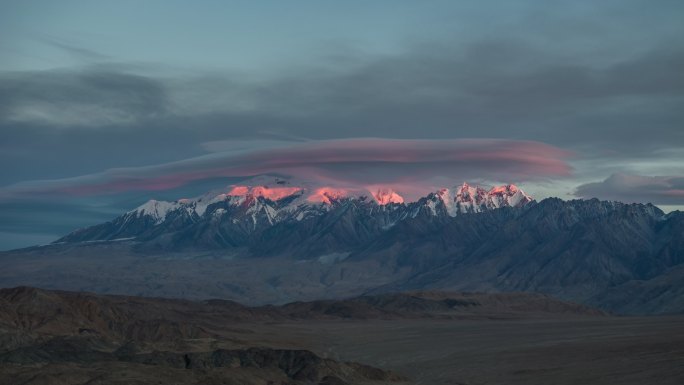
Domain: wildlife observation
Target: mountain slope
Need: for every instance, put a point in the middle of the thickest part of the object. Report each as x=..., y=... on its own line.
x=246, y=216
x=571, y=249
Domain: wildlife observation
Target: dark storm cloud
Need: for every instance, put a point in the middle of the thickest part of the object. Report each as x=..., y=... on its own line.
x=511, y=94
x=85, y=98
x=497, y=88
x=659, y=190
x=490, y=89
x=62, y=123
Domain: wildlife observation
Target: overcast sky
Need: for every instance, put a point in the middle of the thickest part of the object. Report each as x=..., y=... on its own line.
x=106, y=104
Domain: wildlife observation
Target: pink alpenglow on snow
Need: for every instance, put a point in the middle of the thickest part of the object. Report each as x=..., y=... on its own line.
x=282, y=201
x=387, y=196
x=505, y=189
x=327, y=195
x=272, y=193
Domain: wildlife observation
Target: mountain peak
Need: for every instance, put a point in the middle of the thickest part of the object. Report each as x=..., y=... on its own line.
x=155, y=209
x=272, y=193
x=468, y=199
x=243, y=209
x=327, y=195
x=386, y=196
x=505, y=189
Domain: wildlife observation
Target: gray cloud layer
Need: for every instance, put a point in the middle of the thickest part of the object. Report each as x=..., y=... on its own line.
x=659, y=190
x=72, y=99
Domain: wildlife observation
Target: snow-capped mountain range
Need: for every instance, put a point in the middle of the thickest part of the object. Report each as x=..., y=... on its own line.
x=281, y=201
x=228, y=218
x=283, y=241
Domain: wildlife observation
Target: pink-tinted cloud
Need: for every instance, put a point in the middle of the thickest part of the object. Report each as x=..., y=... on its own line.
x=659, y=190
x=407, y=166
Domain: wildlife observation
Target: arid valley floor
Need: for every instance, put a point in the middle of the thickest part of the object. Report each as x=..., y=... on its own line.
x=53, y=337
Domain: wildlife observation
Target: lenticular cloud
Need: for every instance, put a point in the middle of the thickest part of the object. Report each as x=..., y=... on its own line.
x=404, y=165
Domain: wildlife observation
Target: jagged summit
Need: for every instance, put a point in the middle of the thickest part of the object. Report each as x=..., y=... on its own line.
x=231, y=216
x=386, y=196
x=155, y=209
x=463, y=199
x=468, y=199
x=328, y=195
x=271, y=193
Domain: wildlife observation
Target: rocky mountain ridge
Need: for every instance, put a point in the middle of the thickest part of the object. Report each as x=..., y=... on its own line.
x=238, y=217
x=625, y=258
